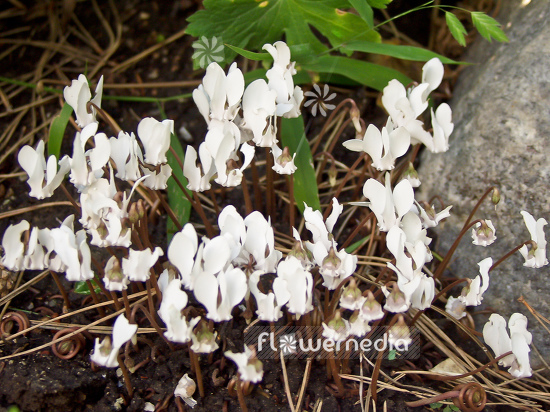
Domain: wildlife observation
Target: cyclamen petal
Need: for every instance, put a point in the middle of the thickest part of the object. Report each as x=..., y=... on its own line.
x=155, y=137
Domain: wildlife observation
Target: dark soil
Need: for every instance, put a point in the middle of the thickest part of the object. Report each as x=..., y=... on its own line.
x=41, y=381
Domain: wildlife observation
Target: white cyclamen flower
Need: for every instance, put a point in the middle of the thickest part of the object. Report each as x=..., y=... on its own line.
x=185, y=390
x=269, y=307
x=78, y=94
x=173, y=301
x=14, y=248
x=289, y=98
x=155, y=137
x=44, y=177
x=496, y=336
x=139, y=263
x=294, y=285
x=220, y=294
x=388, y=206
x=443, y=126
x=73, y=250
x=472, y=295
x=259, y=111
x=219, y=96
x=382, y=146
x=126, y=154
x=483, y=233
x=250, y=368
x=182, y=250
x=105, y=353
x=283, y=162
x=536, y=256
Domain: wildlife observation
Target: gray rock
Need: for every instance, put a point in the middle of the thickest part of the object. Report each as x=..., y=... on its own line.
x=501, y=110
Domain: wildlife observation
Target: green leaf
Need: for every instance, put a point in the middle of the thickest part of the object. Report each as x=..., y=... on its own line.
x=368, y=74
x=379, y=4
x=305, y=184
x=301, y=52
x=436, y=405
x=456, y=28
x=250, y=24
x=364, y=10
x=391, y=354
x=57, y=130
x=176, y=199
x=488, y=27
x=401, y=52
x=82, y=288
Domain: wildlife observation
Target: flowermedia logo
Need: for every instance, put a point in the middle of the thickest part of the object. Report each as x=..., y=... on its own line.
x=318, y=100
x=302, y=342
x=208, y=51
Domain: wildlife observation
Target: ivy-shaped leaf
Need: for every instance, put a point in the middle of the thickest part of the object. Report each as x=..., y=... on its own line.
x=250, y=24
x=488, y=27
x=456, y=28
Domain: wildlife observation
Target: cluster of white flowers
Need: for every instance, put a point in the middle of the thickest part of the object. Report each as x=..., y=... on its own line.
x=223, y=270
x=240, y=119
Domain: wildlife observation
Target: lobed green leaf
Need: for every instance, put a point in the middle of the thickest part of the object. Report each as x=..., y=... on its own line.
x=251, y=24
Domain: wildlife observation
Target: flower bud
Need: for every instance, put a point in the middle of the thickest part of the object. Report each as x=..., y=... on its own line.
x=399, y=334
x=351, y=298
x=495, y=198
x=371, y=309
x=411, y=175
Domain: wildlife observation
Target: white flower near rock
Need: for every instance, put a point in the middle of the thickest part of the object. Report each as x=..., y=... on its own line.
x=496, y=336
x=78, y=94
x=44, y=177
x=536, y=256
x=483, y=233
x=382, y=146
x=105, y=353
x=442, y=124
x=388, y=205
x=472, y=295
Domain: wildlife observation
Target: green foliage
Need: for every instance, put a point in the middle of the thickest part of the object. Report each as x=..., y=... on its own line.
x=488, y=27
x=392, y=354
x=177, y=201
x=305, y=184
x=57, y=130
x=82, y=288
x=456, y=28
x=251, y=24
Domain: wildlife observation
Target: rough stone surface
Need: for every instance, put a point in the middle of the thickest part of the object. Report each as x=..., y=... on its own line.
x=501, y=110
